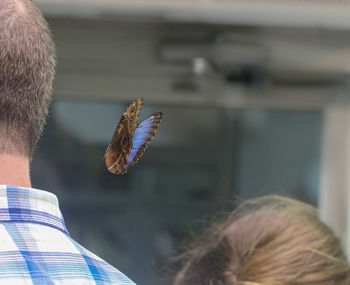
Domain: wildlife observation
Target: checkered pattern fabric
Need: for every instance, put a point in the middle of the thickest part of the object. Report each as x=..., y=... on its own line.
x=35, y=247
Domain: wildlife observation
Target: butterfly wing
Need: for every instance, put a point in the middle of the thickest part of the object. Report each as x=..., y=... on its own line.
x=143, y=135
x=128, y=121
x=121, y=145
x=133, y=112
x=119, y=148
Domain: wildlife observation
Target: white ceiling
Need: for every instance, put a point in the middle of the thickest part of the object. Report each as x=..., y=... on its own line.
x=332, y=14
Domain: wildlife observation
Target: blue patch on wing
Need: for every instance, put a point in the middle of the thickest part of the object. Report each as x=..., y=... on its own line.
x=140, y=136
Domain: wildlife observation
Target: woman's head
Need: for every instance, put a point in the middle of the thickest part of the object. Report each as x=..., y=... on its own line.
x=270, y=240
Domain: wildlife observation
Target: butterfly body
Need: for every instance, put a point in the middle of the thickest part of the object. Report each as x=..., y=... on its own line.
x=130, y=139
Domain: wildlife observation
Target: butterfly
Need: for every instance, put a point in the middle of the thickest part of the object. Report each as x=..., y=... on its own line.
x=130, y=138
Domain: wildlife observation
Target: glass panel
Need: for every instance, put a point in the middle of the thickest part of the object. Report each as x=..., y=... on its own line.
x=201, y=160
x=281, y=154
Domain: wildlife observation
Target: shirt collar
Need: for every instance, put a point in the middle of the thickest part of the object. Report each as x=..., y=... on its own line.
x=20, y=204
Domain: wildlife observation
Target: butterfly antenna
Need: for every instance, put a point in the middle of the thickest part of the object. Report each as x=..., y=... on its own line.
x=101, y=133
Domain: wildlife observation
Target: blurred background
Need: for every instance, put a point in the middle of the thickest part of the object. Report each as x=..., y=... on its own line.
x=255, y=96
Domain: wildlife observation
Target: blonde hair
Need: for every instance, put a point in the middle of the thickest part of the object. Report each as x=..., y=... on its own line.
x=266, y=241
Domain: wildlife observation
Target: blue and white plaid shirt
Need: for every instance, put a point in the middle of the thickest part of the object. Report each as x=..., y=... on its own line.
x=35, y=247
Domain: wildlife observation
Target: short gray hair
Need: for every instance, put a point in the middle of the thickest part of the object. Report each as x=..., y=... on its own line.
x=27, y=68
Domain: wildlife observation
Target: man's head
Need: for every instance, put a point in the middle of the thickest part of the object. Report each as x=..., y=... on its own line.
x=27, y=63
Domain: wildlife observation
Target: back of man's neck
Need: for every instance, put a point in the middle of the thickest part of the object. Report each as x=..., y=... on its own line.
x=14, y=170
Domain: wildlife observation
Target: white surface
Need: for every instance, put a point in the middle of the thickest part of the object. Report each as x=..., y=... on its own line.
x=325, y=14
x=335, y=178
